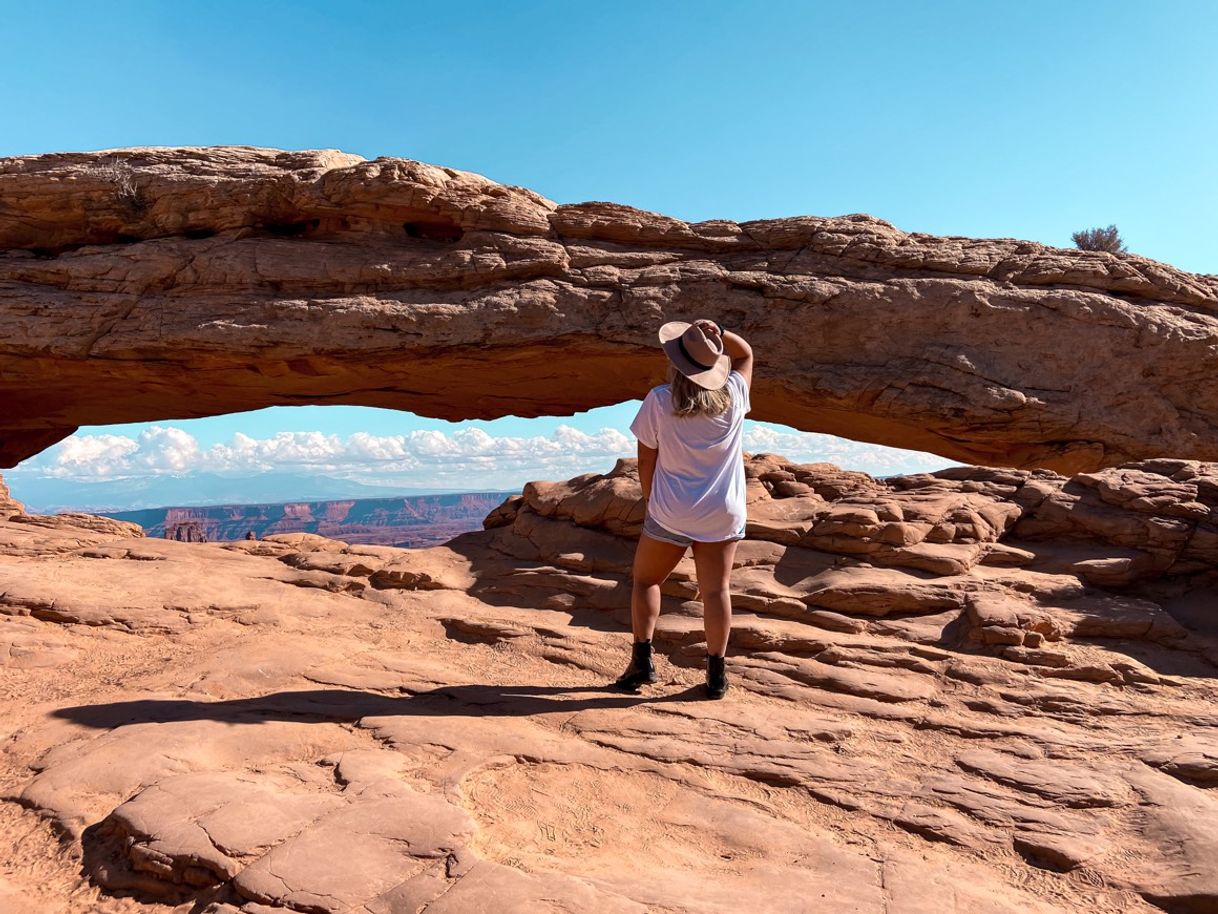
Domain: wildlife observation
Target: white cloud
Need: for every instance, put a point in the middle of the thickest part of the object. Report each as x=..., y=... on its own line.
x=164, y=450
x=467, y=456
x=810, y=447
x=91, y=455
x=168, y=450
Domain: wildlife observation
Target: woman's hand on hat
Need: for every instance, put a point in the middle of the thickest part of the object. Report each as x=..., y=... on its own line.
x=710, y=328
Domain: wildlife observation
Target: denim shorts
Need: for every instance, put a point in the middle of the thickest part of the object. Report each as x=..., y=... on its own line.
x=656, y=532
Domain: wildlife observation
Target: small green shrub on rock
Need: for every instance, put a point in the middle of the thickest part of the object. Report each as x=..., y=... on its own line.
x=1099, y=239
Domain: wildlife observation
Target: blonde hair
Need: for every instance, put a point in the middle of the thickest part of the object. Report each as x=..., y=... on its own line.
x=688, y=399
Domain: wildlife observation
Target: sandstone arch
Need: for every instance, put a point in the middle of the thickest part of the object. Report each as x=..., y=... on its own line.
x=146, y=283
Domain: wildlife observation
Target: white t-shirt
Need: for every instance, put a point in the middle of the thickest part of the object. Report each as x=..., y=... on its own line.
x=698, y=486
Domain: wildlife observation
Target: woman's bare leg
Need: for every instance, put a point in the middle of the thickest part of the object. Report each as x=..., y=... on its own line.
x=654, y=561
x=713, y=562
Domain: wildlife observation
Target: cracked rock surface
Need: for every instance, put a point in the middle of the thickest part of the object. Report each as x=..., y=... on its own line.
x=150, y=283
x=948, y=695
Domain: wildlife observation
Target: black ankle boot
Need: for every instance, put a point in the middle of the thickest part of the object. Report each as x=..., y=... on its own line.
x=641, y=670
x=716, y=676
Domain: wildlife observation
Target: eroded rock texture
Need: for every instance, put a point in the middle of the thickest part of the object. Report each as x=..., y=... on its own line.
x=8, y=505
x=974, y=691
x=147, y=284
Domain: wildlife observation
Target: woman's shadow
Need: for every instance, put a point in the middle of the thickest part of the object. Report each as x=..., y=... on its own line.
x=349, y=705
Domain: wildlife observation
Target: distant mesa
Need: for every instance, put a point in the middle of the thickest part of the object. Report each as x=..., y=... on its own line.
x=185, y=532
x=319, y=277
x=412, y=521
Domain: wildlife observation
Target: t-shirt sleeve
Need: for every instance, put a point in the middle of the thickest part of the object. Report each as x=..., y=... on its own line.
x=644, y=424
x=742, y=389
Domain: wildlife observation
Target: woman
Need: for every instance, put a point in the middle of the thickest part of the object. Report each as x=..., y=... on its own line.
x=691, y=466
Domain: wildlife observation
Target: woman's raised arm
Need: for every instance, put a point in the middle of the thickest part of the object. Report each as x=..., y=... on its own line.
x=741, y=353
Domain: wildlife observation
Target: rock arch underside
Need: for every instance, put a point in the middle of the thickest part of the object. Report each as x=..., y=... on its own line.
x=986, y=690
x=146, y=284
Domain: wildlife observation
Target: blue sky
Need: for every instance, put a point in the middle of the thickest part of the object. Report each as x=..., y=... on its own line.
x=1028, y=120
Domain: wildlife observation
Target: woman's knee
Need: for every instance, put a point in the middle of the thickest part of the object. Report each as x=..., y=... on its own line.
x=717, y=593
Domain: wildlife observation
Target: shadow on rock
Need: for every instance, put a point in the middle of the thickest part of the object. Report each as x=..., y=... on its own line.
x=348, y=706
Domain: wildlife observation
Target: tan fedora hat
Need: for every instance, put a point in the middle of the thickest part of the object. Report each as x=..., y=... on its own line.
x=694, y=355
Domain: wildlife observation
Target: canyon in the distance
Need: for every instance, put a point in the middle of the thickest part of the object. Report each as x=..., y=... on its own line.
x=407, y=521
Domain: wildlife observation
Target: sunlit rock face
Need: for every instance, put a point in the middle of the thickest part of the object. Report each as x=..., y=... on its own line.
x=977, y=690
x=8, y=505
x=145, y=284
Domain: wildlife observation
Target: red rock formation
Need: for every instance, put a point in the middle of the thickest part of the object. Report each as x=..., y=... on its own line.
x=185, y=532
x=318, y=277
x=994, y=542
x=8, y=505
x=940, y=702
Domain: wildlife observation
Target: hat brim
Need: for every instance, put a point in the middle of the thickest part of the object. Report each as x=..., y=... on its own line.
x=712, y=378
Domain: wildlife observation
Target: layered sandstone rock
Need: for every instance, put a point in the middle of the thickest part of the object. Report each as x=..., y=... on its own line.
x=8, y=505
x=1012, y=559
x=146, y=284
x=942, y=700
